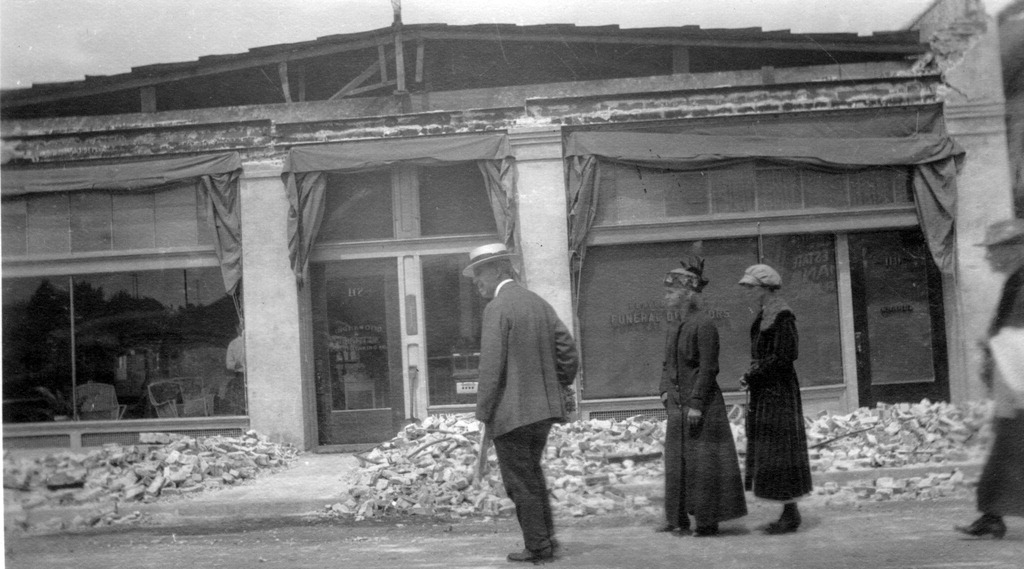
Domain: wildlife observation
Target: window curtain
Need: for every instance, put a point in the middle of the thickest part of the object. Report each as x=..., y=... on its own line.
x=306, y=168
x=935, y=158
x=216, y=174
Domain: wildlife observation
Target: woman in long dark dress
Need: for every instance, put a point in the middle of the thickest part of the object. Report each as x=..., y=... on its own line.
x=777, y=465
x=702, y=471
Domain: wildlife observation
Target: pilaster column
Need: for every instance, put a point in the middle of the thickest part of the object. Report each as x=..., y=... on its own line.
x=542, y=225
x=975, y=111
x=280, y=393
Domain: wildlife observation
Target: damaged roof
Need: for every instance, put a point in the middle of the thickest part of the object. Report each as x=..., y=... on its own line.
x=892, y=44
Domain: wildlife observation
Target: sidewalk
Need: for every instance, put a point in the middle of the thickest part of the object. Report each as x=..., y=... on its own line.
x=315, y=481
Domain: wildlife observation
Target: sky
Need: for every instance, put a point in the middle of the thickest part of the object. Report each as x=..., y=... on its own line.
x=44, y=41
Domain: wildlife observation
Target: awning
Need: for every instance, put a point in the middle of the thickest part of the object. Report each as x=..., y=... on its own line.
x=122, y=176
x=306, y=168
x=216, y=174
x=934, y=157
x=367, y=154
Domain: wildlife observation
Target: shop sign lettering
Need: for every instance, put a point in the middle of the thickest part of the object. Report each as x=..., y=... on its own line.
x=815, y=266
x=650, y=313
x=895, y=309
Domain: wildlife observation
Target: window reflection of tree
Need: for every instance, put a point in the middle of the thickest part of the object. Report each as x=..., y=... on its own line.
x=114, y=335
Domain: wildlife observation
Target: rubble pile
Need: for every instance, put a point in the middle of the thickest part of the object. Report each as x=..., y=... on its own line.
x=429, y=468
x=898, y=435
x=885, y=488
x=161, y=464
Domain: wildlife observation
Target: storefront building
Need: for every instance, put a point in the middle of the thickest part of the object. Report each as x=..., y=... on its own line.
x=334, y=225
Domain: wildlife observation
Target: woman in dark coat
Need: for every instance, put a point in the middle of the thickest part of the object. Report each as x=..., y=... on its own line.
x=777, y=465
x=702, y=474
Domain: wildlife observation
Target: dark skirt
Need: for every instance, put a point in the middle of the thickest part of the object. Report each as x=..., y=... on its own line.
x=702, y=471
x=777, y=464
x=1001, y=487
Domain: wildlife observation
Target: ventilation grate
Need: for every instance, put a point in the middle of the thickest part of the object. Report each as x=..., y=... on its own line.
x=131, y=438
x=38, y=441
x=620, y=415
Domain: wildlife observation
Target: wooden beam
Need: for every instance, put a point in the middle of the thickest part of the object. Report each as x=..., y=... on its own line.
x=148, y=98
x=383, y=58
x=795, y=41
x=359, y=80
x=371, y=87
x=399, y=61
x=129, y=82
x=282, y=72
x=302, y=82
x=419, y=60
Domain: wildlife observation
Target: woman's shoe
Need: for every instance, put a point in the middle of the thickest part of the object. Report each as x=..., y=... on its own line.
x=780, y=527
x=706, y=531
x=667, y=528
x=987, y=524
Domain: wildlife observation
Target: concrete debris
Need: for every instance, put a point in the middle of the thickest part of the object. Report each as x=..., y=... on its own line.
x=899, y=435
x=594, y=466
x=161, y=464
x=926, y=487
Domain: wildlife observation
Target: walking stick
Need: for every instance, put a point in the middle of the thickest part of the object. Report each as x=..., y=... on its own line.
x=480, y=469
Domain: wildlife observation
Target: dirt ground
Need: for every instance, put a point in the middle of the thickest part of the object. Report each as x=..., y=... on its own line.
x=876, y=535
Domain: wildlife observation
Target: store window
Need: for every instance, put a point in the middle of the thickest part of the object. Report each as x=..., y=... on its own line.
x=453, y=309
x=153, y=342
x=623, y=320
x=453, y=201
x=807, y=265
x=357, y=207
x=89, y=221
x=630, y=194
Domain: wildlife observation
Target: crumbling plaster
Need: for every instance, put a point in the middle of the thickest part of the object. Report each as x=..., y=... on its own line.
x=965, y=44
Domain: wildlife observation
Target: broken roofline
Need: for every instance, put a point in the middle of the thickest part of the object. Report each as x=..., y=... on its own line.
x=899, y=42
x=116, y=137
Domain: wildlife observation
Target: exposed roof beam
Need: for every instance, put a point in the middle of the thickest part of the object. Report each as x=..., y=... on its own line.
x=282, y=72
x=12, y=100
x=151, y=75
x=359, y=80
x=798, y=41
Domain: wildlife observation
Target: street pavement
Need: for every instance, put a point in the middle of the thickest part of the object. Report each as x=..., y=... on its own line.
x=315, y=481
x=874, y=535
x=281, y=520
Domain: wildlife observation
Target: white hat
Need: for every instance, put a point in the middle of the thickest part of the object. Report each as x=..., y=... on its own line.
x=761, y=275
x=485, y=254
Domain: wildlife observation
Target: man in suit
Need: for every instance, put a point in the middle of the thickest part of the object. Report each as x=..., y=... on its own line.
x=526, y=356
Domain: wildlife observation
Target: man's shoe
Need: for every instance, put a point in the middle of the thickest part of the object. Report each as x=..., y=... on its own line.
x=987, y=524
x=538, y=556
x=665, y=528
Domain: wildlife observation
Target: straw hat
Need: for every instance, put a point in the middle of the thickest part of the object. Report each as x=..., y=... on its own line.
x=485, y=254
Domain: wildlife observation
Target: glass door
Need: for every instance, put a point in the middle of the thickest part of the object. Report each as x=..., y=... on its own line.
x=357, y=346
x=898, y=319
x=453, y=310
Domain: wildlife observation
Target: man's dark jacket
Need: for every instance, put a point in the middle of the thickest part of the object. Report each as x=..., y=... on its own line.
x=526, y=355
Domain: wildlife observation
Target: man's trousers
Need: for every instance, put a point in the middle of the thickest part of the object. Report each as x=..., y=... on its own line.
x=519, y=454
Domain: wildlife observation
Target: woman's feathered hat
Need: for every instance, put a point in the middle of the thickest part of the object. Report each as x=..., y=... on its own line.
x=691, y=275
